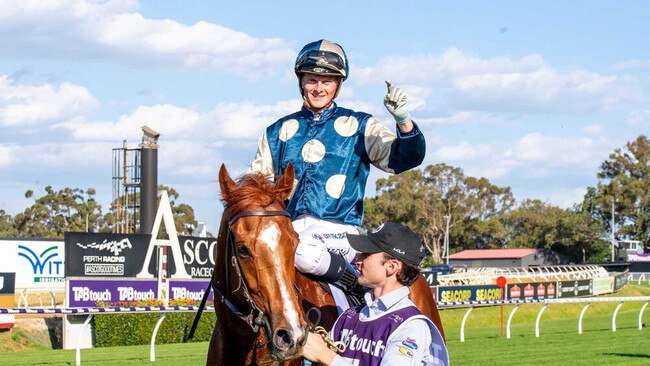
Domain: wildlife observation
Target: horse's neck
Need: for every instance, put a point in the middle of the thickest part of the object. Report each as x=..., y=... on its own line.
x=313, y=295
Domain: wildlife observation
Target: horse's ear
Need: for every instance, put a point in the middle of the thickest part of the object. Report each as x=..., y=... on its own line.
x=225, y=182
x=284, y=185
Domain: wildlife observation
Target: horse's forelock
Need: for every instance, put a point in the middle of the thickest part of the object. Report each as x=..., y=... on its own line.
x=252, y=189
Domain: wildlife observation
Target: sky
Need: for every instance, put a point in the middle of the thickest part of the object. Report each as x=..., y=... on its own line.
x=531, y=95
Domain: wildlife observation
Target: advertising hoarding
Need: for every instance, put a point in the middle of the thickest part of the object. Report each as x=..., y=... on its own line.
x=7, y=296
x=574, y=288
x=38, y=264
x=84, y=292
x=531, y=290
x=468, y=293
x=603, y=285
x=104, y=255
x=124, y=255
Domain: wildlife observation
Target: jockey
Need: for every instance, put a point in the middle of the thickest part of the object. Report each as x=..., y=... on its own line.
x=331, y=149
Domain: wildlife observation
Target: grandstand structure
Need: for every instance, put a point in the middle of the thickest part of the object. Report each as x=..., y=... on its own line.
x=489, y=275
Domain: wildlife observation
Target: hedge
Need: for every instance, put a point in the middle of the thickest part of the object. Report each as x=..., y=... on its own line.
x=136, y=328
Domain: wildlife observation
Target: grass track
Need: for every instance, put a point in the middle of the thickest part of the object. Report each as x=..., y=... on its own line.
x=166, y=354
x=559, y=342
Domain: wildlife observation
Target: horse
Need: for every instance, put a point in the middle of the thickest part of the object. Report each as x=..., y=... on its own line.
x=264, y=307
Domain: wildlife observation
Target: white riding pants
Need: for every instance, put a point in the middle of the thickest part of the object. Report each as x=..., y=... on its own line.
x=319, y=238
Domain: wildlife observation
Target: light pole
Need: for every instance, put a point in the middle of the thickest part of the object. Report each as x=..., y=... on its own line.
x=447, y=217
x=613, y=223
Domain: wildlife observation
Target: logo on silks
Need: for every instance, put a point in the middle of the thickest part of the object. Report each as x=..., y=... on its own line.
x=47, y=265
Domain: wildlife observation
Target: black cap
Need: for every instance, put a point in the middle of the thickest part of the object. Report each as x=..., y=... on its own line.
x=394, y=239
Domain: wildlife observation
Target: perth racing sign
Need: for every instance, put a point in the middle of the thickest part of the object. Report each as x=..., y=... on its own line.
x=104, y=255
x=133, y=255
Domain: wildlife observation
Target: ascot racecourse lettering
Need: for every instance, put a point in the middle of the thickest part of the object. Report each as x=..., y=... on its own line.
x=202, y=251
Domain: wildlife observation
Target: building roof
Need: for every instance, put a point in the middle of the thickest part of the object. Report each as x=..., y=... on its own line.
x=493, y=253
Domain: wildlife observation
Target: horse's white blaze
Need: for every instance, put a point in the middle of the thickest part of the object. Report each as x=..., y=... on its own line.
x=271, y=237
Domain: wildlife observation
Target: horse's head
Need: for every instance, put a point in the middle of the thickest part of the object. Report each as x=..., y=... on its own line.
x=264, y=244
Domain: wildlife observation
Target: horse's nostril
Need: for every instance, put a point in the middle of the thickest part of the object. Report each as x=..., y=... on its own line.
x=283, y=339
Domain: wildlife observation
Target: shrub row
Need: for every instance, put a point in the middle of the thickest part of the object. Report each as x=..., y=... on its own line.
x=136, y=328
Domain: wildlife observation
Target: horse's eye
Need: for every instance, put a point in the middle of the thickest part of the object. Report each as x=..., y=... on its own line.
x=242, y=251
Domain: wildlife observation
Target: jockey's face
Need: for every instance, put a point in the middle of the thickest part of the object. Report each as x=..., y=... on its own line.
x=319, y=90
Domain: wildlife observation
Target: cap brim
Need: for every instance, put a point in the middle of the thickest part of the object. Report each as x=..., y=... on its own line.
x=363, y=244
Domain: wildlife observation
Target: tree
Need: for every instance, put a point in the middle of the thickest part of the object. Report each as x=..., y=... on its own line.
x=184, y=219
x=69, y=209
x=7, y=229
x=571, y=232
x=624, y=181
x=422, y=200
x=183, y=213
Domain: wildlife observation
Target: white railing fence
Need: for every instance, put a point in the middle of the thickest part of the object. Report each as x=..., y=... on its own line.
x=163, y=310
x=546, y=302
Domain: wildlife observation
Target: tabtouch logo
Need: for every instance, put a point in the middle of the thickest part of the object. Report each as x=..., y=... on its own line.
x=46, y=266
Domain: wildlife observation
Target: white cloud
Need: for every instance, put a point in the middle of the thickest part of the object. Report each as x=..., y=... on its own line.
x=502, y=83
x=245, y=120
x=34, y=104
x=463, y=151
x=188, y=158
x=632, y=64
x=463, y=118
x=639, y=118
x=558, y=151
x=534, y=155
x=566, y=198
x=60, y=154
x=112, y=30
x=167, y=119
x=593, y=129
x=7, y=154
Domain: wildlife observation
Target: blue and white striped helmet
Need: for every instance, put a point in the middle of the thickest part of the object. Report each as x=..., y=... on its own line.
x=323, y=58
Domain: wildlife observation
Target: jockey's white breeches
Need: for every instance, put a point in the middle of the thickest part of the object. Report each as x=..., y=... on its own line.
x=319, y=238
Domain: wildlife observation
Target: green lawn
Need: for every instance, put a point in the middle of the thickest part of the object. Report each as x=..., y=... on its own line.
x=559, y=342
x=179, y=354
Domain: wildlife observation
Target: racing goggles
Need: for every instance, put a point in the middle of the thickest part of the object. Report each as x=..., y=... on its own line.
x=321, y=62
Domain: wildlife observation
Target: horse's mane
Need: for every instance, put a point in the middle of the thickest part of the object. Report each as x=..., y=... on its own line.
x=252, y=189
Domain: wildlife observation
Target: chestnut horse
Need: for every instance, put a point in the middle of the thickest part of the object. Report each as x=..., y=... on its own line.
x=265, y=307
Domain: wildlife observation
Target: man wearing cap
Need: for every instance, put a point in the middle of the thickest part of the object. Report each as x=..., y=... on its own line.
x=388, y=329
x=332, y=149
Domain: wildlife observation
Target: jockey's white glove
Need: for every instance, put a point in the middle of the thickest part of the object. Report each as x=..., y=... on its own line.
x=396, y=103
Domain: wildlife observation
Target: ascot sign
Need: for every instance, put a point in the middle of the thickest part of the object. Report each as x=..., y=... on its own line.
x=103, y=255
x=165, y=215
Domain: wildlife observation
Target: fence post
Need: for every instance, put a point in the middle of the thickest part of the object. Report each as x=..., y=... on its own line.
x=462, y=324
x=81, y=333
x=152, y=350
x=582, y=313
x=539, y=316
x=618, y=307
x=641, y=316
x=512, y=313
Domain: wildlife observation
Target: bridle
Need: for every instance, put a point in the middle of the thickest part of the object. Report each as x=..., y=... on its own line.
x=255, y=317
x=254, y=321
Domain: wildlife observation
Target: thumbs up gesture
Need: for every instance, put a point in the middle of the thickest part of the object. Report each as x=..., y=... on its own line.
x=396, y=103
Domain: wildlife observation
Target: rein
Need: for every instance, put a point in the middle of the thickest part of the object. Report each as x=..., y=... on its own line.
x=254, y=322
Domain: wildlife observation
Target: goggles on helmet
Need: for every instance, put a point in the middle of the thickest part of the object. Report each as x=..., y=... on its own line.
x=321, y=62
